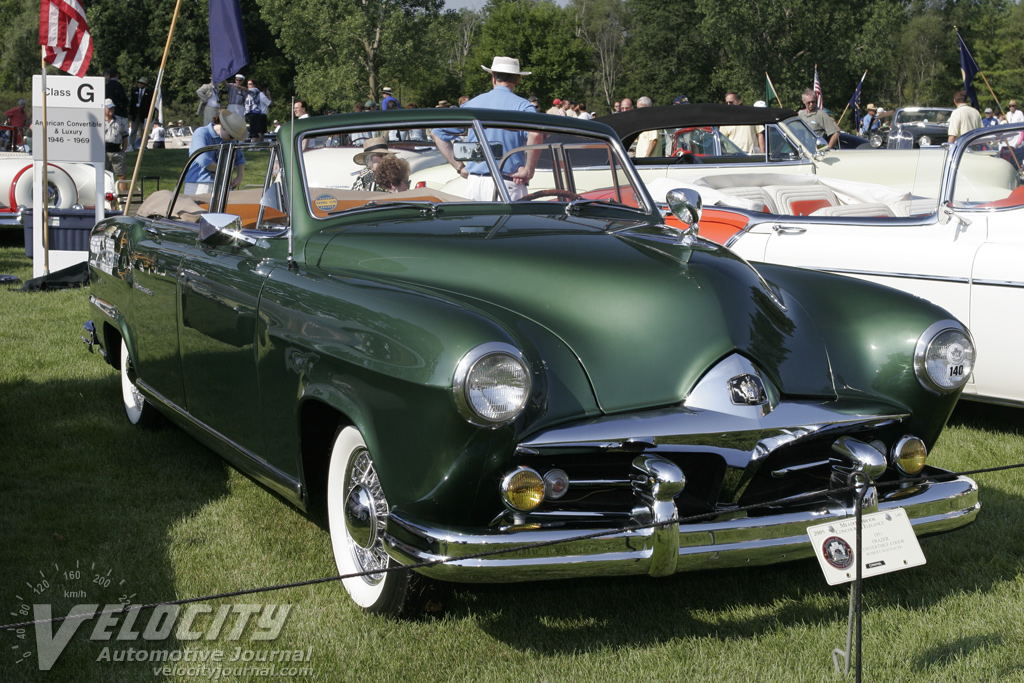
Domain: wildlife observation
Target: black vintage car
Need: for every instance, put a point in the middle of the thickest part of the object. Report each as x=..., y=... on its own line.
x=918, y=127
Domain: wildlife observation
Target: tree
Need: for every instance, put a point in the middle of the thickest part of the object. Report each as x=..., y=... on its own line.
x=342, y=48
x=541, y=36
x=600, y=25
x=666, y=53
x=19, y=34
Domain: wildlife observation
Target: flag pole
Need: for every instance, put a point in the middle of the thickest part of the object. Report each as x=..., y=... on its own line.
x=46, y=174
x=774, y=91
x=841, y=116
x=152, y=103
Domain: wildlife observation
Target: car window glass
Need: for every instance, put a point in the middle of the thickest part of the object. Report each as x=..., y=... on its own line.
x=804, y=135
x=990, y=171
x=260, y=200
x=565, y=167
x=195, y=189
x=780, y=148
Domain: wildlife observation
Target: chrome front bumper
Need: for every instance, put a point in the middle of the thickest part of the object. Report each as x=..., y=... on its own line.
x=611, y=551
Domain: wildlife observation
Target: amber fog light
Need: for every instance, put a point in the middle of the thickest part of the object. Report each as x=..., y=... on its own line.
x=909, y=454
x=522, y=489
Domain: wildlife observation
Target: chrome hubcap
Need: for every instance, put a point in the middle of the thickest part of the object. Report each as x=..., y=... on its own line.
x=366, y=514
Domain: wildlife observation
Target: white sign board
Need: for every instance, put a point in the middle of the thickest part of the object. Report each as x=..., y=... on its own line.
x=74, y=118
x=74, y=134
x=889, y=545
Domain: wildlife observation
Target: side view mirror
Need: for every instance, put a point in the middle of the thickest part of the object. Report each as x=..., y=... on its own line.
x=686, y=205
x=474, y=151
x=218, y=229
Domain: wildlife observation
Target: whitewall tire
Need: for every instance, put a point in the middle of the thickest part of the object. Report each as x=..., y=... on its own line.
x=357, y=512
x=137, y=409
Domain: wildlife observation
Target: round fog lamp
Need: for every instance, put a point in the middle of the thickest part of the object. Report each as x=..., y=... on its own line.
x=522, y=489
x=909, y=455
x=556, y=484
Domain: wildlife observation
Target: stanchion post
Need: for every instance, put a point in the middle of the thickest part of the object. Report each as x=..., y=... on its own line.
x=863, y=485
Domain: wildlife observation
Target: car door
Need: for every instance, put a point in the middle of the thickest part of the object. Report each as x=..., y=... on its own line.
x=219, y=288
x=154, y=265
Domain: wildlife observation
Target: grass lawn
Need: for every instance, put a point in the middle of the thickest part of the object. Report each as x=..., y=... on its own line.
x=94, y=510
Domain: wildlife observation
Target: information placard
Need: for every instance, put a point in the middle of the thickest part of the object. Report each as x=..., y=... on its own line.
x=74, y=118
x=889, y=545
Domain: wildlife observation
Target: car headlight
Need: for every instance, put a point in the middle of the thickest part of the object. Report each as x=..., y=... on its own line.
x=924, y=141
x=492, y=384
x=944, y=357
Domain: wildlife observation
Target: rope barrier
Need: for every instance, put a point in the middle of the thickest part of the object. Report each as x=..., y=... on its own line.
x=501, y=551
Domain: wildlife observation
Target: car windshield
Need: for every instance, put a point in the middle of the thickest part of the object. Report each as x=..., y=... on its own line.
x=804, y=135
x=447, y=163
x=917, y=116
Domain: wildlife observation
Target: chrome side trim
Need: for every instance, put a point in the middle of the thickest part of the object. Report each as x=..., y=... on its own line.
x=240, y=457
x=904, y=276
x=998, y=283
x=108, y=309
x=745, y=541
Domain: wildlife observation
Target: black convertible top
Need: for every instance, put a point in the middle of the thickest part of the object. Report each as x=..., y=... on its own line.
x=630, y=124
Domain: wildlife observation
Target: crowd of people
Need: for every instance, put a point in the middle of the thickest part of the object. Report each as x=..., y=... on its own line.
x=243, y=114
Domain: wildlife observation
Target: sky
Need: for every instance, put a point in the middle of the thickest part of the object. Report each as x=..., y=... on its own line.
x=469, y=4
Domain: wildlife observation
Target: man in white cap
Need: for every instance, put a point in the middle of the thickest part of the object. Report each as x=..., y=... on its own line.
x=113, y=140
x=236, y=95
x=989, y=120
x=519, y=168
x=389, y=101
x=199, y=177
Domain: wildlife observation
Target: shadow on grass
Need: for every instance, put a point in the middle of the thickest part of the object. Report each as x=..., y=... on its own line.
x=88, y=505
x=989, y=417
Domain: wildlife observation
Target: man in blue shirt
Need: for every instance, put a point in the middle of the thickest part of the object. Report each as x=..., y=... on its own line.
x=226, y=125
x=390, y=101
x=870, y=123
x=519, y=168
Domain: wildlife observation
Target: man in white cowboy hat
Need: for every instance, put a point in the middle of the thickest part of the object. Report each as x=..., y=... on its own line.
x=227, y=125
x=374, y=149
x=519, y=168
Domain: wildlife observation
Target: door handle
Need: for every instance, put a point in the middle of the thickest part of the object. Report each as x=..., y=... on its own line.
x=788, y=229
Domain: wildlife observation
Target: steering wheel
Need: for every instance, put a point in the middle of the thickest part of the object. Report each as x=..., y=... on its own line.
x=565, y=194
x=685, y=157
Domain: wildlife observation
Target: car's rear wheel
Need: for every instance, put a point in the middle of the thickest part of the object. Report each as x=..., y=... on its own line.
x=357, y=512
x=138, y=410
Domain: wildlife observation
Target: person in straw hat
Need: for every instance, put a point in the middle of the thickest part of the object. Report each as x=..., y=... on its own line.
x=870, y=122
x=374, y=149
x=518, y=168
x=227, y=125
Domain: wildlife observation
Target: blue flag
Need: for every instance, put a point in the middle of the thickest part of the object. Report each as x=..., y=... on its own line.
x=855, y=104
x=969, y=69
x=228, y=51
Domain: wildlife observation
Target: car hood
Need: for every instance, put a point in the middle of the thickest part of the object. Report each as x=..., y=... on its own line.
x=645, y=315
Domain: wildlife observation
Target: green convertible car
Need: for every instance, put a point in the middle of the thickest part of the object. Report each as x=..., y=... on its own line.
x=456, y=380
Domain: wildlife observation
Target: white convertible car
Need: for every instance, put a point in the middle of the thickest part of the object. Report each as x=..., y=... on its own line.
x=68, y=185
x=945, y=223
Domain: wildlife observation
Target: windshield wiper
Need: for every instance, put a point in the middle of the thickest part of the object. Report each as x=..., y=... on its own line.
x=573, y=207
x=425, y=208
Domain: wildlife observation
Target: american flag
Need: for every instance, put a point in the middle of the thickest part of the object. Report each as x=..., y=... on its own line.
x=817, y=89
x=64, y=32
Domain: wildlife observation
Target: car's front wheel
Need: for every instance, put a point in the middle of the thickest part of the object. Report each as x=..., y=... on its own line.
x=357, y=512
x=138, y=410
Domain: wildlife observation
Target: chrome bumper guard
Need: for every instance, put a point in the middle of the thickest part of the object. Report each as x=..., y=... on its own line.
x=663, y=550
